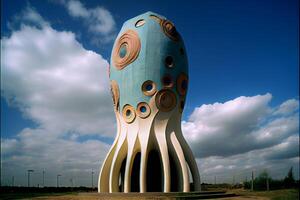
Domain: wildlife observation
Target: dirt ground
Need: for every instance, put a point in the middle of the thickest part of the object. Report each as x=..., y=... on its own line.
x=291, y=194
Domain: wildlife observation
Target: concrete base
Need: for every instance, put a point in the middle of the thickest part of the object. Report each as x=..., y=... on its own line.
x=161, y=195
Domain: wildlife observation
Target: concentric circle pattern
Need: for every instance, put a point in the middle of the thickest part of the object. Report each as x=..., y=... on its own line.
x=115, y=93
x=182, y=84
x=143, y=110
x=127, y=49
x=128, y=113
x=165, y=100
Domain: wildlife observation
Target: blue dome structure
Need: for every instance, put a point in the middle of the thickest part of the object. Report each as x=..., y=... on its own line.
x=149, y=81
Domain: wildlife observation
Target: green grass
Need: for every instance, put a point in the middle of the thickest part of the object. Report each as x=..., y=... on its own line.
x=15, y=195
x=284, y=194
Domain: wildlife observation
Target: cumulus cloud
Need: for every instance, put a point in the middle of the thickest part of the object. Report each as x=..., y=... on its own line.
x=29, y=16
x=289, y=148
x=287, y=107
x=55, y=81
x=237, y=126
x=99, y=20
x=233, y=138
x=39, y=150
x=63, y=87
x=238, y=168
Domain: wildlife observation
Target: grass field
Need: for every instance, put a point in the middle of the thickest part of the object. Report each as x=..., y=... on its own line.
x=287, y=194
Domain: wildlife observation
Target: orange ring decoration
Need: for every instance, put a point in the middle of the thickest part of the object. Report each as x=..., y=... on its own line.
x=128, y=113
x=149, y=88
x=165, y=100
x=131, y=42
x=169, y=29
x=182, y=84
x=167, y=81
x=158, y=19
x=143, y=110
x=114, y=88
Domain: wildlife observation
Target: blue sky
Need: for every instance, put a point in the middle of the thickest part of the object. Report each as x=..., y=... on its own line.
x=235, y=49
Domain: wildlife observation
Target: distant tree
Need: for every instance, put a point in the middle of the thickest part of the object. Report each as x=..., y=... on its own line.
x=261, y=181
x=263, y=176
x=289, y=180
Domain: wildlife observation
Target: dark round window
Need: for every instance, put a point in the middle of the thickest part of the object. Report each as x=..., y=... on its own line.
x=128, y=113
x=140, y=22
x=167, y=81
x=143, y=109
x=149, y=87
x=181, y=51
x=123, y=50
x=169, y=61
x=184, y=84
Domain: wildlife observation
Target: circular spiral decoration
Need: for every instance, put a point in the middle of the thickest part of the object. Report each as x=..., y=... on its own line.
x=127, y=49
x=114, y=88
x=165, y=100
x=143, y=110
x=169, y=29
x=182, y=84
x=128, y=113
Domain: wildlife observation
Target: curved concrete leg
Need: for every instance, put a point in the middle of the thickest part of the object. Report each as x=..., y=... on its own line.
x=160, y=126
x=103, y=180
x=133, y=148
x=181, y=157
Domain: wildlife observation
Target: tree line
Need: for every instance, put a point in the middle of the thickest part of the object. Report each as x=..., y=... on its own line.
x=265, y=182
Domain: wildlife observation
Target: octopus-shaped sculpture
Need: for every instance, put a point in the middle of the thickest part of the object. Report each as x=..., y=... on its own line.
x=149, y=81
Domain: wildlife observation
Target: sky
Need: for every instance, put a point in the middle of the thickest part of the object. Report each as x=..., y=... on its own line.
x=242, y=108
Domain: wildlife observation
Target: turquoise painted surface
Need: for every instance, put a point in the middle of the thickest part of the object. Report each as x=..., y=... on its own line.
x=150, y=63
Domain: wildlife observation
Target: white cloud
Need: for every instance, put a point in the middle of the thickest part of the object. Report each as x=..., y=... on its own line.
x=237, y=126
x=62, y=87
x=76, y=9
x=8, y=145
x=30, y=15
x=56, y=82
x=233, y=138
x=99, y=20
x=39, y=150
x=239, y=167
x=287, y=107
x=289, y=148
